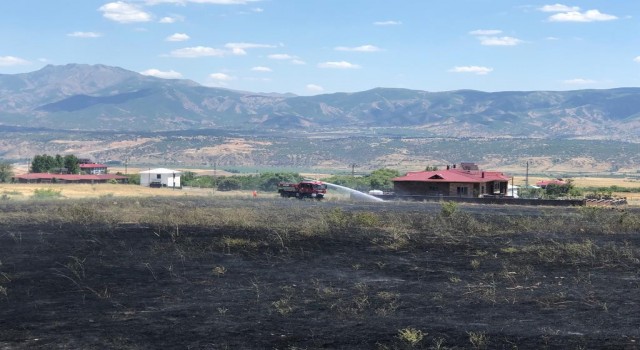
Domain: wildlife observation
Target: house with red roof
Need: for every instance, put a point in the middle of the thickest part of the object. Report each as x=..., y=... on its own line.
x=69, y=178
x=466, y=180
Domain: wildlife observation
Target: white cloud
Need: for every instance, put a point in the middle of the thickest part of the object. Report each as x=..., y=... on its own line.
x=171, y=19
x=178, y=37
x=240, y=48
x=472, y=69
x=281, y=56
x=579, y=81
x=499, y=41
x=387, y=23
x=84, y=35
x=338, y=65
x=214, y=2
x=257, y=10
x=363, y=48
x=261, y=69
x=160, y=74
x=314, y=88
x=123, y=12
x=286, y=57
x=488, y=37
x=247, y=46
x=197, y=51
x=558, y=8
x=6, y=61
x=224, y=2
x=485, y=32
x=221, y=77
x=637, y=59
x=588, y=16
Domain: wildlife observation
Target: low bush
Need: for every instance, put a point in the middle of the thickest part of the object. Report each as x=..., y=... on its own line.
x=46, y=193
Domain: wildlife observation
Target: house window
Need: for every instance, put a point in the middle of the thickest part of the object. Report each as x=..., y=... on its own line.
x=158, y=176
x=462, y=191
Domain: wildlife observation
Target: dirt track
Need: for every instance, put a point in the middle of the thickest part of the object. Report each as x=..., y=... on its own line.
x=138, y=286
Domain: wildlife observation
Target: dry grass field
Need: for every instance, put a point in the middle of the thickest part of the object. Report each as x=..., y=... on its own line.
x=78, y=191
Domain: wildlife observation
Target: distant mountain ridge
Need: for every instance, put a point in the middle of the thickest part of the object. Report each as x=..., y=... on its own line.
x=99, y=97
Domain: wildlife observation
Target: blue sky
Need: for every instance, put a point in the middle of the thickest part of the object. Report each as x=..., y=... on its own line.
x=310, y=47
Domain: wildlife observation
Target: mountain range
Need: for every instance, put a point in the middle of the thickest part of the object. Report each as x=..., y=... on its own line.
x=99, y=97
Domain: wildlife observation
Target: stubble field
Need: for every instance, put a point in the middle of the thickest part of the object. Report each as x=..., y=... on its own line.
x=207, y=273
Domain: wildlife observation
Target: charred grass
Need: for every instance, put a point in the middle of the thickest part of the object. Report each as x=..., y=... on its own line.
x=143, y=273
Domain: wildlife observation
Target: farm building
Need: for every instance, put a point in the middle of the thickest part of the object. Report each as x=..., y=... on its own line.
x=93, y=168
x=69, y=178
x=467, y=181
x=160, y=177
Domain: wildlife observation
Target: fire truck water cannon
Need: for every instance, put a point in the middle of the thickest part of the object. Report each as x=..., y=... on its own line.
x=303, y=189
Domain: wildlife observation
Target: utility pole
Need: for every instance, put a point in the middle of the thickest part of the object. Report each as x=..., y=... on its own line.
x=526, y=181
x=215, y=176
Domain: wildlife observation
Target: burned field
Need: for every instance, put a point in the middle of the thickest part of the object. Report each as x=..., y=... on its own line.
x=288, y=274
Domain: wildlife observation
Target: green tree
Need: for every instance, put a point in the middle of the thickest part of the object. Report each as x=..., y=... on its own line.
x=359, y=183
x=562, y=190
x=59, y=161
x=43, y=163
x=72, y=164
x=381, y=179
x=228, y=184
x=431, y=168
x=6, y=171
x=134, y=179
x=269, y=181
x=187, y=177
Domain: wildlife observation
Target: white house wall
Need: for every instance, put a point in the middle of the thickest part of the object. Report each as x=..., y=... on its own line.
x=166, y=179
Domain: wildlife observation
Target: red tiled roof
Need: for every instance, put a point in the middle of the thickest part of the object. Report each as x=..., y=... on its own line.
x=453, y=175
x=68, y=177
x=90, y=166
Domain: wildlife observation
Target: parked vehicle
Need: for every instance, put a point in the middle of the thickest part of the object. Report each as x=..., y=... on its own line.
x=303, y=189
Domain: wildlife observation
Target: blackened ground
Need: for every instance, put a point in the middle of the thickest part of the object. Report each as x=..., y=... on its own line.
x=133, y=287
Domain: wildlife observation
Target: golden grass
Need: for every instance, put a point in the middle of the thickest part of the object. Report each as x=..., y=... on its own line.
x=75, y=191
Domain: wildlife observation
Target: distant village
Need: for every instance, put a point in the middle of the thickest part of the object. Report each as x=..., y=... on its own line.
x=462, y=181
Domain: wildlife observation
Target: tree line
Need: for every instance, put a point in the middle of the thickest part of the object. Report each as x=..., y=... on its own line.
x=55, y=164
x=268, y=181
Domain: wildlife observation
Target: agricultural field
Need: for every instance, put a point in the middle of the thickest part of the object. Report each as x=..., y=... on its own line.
x=202, y=272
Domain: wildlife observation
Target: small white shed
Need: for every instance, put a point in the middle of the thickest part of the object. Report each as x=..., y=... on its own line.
x=160, y=177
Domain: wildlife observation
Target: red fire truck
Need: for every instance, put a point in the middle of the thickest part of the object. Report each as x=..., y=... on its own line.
x=303, y=189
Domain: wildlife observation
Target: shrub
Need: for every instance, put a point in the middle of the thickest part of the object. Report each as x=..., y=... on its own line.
x=46, y=193
x=228, y=184
x=448, y=209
